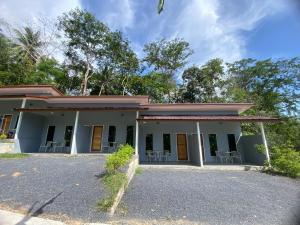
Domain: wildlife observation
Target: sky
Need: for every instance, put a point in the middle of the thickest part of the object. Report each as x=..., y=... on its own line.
x=227, y=29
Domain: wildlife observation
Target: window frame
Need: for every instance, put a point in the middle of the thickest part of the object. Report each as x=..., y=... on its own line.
x=146, y=150
x=217, y=148
x=127, y=142
x=70, y=137
x=164, y=150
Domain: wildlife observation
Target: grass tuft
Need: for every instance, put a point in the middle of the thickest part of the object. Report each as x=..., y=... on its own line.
x=13, y=155
x=138, y=171
x=113, y=183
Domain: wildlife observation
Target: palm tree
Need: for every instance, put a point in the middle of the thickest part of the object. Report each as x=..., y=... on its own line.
x=29, y=42
x=160, y=6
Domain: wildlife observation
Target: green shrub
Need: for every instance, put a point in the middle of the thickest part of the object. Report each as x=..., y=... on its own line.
x=114, y=179
x=286, y=160
x=3, y=136
x=119, y=158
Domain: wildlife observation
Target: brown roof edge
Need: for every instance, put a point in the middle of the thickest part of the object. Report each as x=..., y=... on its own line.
x=34, y=86
x=218, y=103
x=210, y=118
x=60, y=109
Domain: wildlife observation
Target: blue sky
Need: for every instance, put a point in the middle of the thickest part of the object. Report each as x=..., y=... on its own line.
x=229, y=29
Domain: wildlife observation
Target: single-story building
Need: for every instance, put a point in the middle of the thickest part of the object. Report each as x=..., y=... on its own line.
x=39, y=118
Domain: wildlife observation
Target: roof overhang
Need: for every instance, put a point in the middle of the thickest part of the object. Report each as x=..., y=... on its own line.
x=236, y=107
x=40, y=90
x=231, y=118
x=64, y=109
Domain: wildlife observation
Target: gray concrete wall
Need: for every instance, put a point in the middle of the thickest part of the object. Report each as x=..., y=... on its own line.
x=31, y=132
x=6, y=107
x=221, y=129
x=246, y=146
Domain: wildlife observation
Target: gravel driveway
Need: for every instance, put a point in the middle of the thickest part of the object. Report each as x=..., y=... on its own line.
x=53, y=184
x=210, y=197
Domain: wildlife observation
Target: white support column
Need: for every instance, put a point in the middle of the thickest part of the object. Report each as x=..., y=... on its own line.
x=199, y=143
x=137, y=134
x=20, y=120
x=265, y=141
x=74, y=145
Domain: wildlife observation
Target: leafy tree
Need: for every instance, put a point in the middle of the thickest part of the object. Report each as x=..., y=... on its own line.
x=152, y=84
x=29, y=42
x=167, y=57
x=86, y=42
x=202, y=84
x=115, y=69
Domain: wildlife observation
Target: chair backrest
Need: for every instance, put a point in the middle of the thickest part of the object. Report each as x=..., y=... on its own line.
x=149, y=152
x=48, y=144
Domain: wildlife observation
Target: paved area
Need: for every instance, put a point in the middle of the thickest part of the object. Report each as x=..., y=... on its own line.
x=10, y=218
x=174, y=196
x=54, y=185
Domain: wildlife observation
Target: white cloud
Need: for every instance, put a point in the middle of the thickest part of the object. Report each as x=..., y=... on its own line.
x=23, y=12
x=214, y=31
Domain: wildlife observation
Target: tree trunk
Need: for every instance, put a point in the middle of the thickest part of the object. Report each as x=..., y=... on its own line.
x=85, y=81
x=101, y=89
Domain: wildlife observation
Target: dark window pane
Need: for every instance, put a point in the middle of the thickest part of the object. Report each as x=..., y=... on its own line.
x=129, y=135
x=16, y=124
x=50, y=134
x=167, y=142
x=149, y=142
x=112, y=134
x=68, y=135
x=213, y=144
x=231, y=142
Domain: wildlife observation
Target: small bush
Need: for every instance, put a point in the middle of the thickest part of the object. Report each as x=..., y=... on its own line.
x=286, y=160
x=119, y=159
x=3, y=136
x=114, y=179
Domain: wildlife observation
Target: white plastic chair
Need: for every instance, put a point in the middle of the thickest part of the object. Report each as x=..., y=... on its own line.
x=45, y=147
x=236, y=155
x=221, y=156
x=59, y=146
x=166, y=156
x=150, y=156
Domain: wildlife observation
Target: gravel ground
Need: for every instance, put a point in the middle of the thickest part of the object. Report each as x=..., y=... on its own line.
x=166, y=196
x=54, y=184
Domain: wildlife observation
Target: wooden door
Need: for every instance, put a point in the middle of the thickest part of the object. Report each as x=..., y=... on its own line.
x=97, y=138
x=182, y=147
x=6, y=123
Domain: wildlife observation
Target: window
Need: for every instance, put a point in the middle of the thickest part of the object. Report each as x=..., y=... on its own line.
x=231, y=142
x=111, y=134
x=16, y=124
x=68, y=135
x=167, y=143
x=6, y=123
x=129, y=135
x=213, y=144
x=149, y=142
x=50, y=134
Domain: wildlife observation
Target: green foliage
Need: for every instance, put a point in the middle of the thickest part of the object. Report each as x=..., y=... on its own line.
x=13, y=155
x=160, y=6
x=3, y=136
x=138, y=170
x=119, y=159
x=113, y=183
x=114, y=179
x=201, y=84
x=285, y=160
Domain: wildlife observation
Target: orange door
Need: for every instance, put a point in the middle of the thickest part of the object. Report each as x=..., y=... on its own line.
x=6, y=123
x=97, y=138
x=182, y=147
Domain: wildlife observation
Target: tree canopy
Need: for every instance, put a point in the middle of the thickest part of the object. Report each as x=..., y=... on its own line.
x=97, y=60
